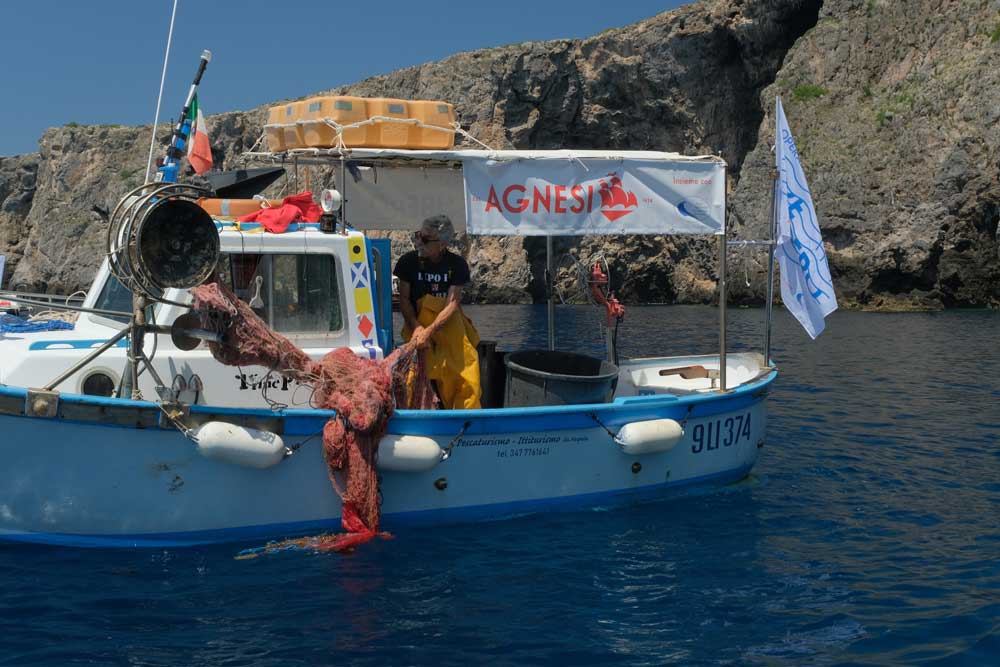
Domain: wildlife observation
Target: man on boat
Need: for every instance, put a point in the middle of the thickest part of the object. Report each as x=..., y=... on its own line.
x=431, y=279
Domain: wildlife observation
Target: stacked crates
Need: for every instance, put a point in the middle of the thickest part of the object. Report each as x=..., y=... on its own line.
x=393, y=123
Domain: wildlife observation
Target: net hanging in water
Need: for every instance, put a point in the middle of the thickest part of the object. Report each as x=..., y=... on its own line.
x=362, y=391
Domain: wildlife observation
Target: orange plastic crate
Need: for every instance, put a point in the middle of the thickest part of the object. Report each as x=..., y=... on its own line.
x=438, y=114
x=387, y=134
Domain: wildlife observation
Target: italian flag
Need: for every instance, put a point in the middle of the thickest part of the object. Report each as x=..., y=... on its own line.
x=199, y=152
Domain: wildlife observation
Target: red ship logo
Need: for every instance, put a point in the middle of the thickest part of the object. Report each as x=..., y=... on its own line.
x=616, y=202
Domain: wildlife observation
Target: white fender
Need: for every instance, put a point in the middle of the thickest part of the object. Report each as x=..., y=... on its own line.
x=229, y=443
x=649, y=437
x=408, y=453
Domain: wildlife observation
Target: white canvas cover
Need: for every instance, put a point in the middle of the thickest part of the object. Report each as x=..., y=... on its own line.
x=402, y=196
x=538, y=193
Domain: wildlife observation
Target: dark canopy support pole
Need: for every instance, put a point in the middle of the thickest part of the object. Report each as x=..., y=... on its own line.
x=343, y=194
x=722, y=291
x=722, y=311
x=549, y=292
x=773, y=224
x=135, y=353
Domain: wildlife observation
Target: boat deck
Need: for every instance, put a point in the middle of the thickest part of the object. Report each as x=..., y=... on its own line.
x=686, y=375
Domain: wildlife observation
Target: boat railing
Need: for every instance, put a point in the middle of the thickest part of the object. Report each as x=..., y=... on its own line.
x=34, y=302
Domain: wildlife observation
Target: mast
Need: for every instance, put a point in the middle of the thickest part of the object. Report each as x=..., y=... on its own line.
x=159, y=98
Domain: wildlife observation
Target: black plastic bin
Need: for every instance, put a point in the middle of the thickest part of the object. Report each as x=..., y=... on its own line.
x=543, y=377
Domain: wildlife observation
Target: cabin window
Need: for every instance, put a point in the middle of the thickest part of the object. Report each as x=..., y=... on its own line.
x=292, y=293
x=115, y=296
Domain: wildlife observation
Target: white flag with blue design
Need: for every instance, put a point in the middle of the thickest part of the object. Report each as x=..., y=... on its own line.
x=806, y=287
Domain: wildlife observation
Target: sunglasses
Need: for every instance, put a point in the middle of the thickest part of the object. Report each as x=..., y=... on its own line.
x=424, y=238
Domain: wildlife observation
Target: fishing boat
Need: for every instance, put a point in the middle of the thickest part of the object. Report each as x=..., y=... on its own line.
x=125, y=431
x=87, y=468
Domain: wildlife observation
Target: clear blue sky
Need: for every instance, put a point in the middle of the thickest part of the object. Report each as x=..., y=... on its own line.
x=99, y=61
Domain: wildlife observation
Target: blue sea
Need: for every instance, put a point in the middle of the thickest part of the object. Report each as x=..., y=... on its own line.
x=868, y=534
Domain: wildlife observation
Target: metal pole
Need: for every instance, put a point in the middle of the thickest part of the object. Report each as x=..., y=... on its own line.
x=770, y=268
x=152, y=371
x=549, y=291
x=135, y=353
x=722, y=289
x=159, y=98
x=343, y=195
x=90, y=357
x=609, y=335
x=62, y=306
x=722, y=310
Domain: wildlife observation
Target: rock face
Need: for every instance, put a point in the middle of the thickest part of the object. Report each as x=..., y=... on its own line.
x=18, y=176
x=895, y=109
x=895, y=117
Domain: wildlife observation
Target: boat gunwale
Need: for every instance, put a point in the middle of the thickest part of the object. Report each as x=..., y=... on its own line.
x=622, y=403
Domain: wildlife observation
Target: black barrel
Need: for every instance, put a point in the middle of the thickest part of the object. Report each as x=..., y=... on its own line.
x=543, y=377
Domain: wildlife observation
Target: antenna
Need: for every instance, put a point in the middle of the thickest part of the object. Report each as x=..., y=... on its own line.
x=163, y=76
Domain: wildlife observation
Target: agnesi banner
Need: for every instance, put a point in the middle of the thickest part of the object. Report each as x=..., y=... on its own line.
x=561, y=197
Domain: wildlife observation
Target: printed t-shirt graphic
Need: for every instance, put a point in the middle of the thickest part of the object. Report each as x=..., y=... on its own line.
x=431, y=278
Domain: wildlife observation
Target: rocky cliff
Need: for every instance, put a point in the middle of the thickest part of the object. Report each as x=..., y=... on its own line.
x=894, y=106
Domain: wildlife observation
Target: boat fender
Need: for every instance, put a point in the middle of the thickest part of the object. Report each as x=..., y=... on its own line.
x=239, y=445
x=408, y=453
x=649, y=437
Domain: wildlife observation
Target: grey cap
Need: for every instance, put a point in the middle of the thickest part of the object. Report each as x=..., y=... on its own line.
x=442, y=225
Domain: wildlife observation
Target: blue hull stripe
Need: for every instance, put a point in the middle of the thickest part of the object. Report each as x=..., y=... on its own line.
x=71, y=344
x=502, y=420
x=399, y=519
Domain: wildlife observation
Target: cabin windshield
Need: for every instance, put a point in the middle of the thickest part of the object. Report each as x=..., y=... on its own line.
x=115, y=296
x=291, y=293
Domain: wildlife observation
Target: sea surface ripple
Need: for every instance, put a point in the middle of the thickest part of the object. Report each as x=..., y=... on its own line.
x=868, y=534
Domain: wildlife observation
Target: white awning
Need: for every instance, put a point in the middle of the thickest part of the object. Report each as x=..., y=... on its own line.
x=594, y=195
x=533, y=193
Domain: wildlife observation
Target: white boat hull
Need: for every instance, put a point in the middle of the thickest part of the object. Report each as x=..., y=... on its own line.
x=88, y=483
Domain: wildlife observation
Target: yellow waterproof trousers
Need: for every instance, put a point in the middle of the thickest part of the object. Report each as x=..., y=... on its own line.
x=451, y=358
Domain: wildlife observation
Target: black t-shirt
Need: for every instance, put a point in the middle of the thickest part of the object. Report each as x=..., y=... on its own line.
x=427, y=278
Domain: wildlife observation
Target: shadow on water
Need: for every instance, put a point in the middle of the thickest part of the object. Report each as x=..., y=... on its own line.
x=868, y=534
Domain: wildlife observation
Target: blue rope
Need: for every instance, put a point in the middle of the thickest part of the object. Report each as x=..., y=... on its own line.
x=14, y=324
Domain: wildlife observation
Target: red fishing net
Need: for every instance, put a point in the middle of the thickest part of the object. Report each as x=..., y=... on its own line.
x=362, y=392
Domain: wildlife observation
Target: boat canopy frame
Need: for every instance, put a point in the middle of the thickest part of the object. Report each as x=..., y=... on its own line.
x=351, y=159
